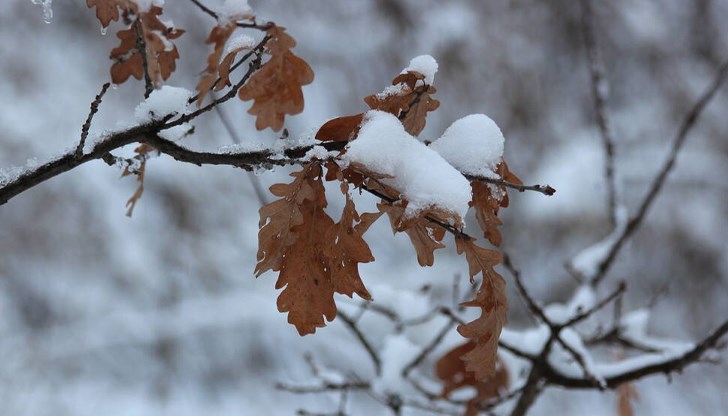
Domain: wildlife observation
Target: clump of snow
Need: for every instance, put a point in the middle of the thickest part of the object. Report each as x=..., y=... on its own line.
x=238, y=42
x=423, y=177
x=473, y=145
x=234, y=10
x=145, y=5
x=396, y=353
x=47, y=9
x=318, y=152
x=163, y=102
x=587, y=262
x=391, y=90
x=425, y=65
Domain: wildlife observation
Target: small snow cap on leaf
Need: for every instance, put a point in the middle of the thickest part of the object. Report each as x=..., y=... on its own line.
x=425, y=65
x=473, y=145
x=233, y=10
x=146, y=5
x=163, y=102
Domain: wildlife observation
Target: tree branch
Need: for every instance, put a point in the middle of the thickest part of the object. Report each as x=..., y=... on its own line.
x=87, y=124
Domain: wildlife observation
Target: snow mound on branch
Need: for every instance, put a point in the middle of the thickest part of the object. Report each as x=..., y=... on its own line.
x=425, y=65
x=163, y=102
x=396, y=353
x=423, y=177
x=473, y=145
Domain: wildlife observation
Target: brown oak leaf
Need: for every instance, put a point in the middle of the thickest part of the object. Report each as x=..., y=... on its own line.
x=314, y=256
x=340, y=129
x=219, y=37
x=277, y=87
x=487, y=204
x=450, y=368
x=425, y=236
x=491, y=299
x=108, y=10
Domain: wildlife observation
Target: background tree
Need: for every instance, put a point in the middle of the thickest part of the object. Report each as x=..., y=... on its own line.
x=169, y=307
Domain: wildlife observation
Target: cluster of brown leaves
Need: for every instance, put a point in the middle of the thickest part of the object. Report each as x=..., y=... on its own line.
x=297, y=237
x=276, y=88
x=409, y=98
x=146, y=43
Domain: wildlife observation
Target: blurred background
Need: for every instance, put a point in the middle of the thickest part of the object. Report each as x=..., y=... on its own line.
x=161, y=314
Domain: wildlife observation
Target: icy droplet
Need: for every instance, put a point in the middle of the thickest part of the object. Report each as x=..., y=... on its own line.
x=104, y=30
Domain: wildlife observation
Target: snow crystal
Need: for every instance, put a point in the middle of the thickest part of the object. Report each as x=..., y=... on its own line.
x=396, y=353
x=425, y=65
x=473, y=145
x=163, y=102
x=235, y=10
x=146, y=5
x=390, y=90
x=423, y=177
x=588, y=260
x=239, y=41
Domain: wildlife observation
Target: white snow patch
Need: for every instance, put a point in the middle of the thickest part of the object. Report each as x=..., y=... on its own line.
x=239, y=42
x=588, y=260
x=396, y=353
x=406, y=304
x=473, y=145
x=423, y=177
x=425, y=65
x=163, y=102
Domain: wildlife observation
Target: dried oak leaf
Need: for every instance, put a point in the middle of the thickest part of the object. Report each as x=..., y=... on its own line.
x=161, y=53
x=142, y=156
x=277, y=87
x=450, y=368
x=341, y=129
x=315, y=256
x=407, y=99
x=108, y=10
x=491, y=299
x=425, y=236
x=218, y=36
x=487, y=204
x=348, y=249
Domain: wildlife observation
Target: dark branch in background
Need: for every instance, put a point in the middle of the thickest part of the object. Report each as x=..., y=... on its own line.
x=205, y=9
x=87, y=125
x=600, y=91
x=657, y=184
x=253, y=25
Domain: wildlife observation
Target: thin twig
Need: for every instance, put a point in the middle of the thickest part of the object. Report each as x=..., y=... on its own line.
x=141, y=46
x=376, y=361
x=87, y=125
x=604, y=302
x=428, y=349
x=544, y=189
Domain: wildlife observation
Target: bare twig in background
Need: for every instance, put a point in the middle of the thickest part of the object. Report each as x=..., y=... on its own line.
x=600, y=92
x=141, y=46
x=686, y=126
x=352, y=325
